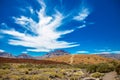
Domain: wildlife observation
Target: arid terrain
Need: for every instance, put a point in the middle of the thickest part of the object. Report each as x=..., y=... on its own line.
x=81, y=58
x=66, y=67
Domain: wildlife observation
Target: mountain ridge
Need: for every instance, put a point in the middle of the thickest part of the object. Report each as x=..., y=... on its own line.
x=24, y=56
x=53, y=54
x=113, y=56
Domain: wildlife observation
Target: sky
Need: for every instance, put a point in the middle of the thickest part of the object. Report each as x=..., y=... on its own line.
x=77, y=26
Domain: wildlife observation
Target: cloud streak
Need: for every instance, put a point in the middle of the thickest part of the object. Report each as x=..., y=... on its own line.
x=44, y=35
x=2, y=50
x=83, y=14
x=83, y=52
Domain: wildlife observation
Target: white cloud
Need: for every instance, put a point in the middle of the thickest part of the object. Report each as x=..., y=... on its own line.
x=82, y=26
x=4, y=25
x=82, y=52
x=102, y=51
x=27, y=9
x=2, y=50
x=45, y=29
x=31, y=10
x=25, y=52
x=116, y=52
x=83, y=14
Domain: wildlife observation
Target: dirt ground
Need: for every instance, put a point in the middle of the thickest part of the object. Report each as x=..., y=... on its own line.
x=110, y=76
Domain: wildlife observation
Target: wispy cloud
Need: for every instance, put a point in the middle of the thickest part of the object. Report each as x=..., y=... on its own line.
x=44, y=35
x=82, y=52
x=3, y=26
x=25, y=52
x=103, y=50
x=27, y=9
x=2, y=50
x=83, y=14
x=107, y=52
x=116, y=52
x=82, y=26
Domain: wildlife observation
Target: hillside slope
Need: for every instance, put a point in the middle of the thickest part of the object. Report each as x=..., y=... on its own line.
x=34, y=61
x=81, y=58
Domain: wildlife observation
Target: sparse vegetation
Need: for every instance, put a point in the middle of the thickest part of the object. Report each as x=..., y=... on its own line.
x=101, y=67
x=5, y=66
x=97, y=75
x=57, y=71
x=27, y=71
x=117, y=69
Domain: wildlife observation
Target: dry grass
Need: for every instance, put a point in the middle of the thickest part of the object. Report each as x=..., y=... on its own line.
x=81, y=58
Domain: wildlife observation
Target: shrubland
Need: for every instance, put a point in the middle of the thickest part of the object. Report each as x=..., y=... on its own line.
x=29, y=71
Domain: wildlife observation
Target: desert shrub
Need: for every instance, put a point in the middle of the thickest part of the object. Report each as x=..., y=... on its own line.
x=26, y=65
x=14, y=77
x=4, y=72
x=114, y=62
x=5, y=66
x=81, y=65
x=52, y=66
x=29, y=69
x=101, y=67
x=104, y=67
x=91, y=68
x=74, y=78
x=117, y=69
x=6, y=78
x=40, y=78
x=22, y=66
x=23, y=78
x=78, y=73
x=26, y=72
x=39, y=66
x=97, y=75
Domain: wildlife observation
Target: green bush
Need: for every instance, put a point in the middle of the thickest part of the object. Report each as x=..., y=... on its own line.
x=91, y=68
x=117, y=69
x=104, y=67
x=81, y=65
x=5, y=66
x=97, y=75
x=26, y=66
x=101, y=67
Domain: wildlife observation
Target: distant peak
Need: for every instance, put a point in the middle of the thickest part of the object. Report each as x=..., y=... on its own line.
x=24, y=55
x=57, y=53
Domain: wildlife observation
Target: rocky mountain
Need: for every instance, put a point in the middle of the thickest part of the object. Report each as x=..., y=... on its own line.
x=56, y=53
x=7, y=55
x=114, y=56
x=24, y=56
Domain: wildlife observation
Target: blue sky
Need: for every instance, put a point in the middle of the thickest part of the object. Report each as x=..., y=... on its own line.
x=77, y=26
